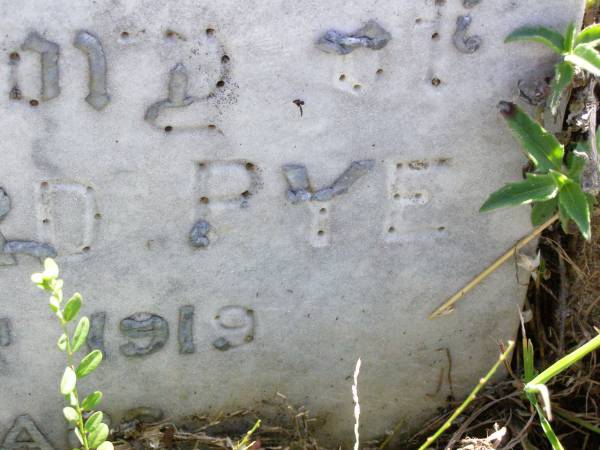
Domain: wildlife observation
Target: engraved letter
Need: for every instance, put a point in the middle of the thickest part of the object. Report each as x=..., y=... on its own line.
x=178, y=84
x=49, y=52
x=372, y=36
x=90, y=45
x=95, y=337
x=152, y=329
x=464, y=43
x=234, y=326
x=186, y=330
x=25, y=435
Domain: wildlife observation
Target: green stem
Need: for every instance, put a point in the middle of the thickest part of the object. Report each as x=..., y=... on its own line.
x=575, y=419
x=469, y=399
x=69, y=352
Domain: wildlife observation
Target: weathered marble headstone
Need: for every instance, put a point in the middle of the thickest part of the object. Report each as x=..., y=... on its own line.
x=251, y=195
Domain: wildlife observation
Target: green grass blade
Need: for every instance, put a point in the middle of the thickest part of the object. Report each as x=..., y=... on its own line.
x=585, y=57
x=540, y=146
x=566, y=362
x=574, y=202
x=543, y=35
x=570, y=37
x=548, y=431
x=534, y=188
x=589, y=36
x=563, y=77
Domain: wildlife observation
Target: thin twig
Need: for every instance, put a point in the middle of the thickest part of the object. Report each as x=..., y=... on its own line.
x=447, y=306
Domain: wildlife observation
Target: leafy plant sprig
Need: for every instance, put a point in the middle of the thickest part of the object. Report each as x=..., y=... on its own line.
x=575, y=49
x=551, y=186
x=90, y=431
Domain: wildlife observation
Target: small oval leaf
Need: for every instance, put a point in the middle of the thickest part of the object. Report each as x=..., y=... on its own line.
x=89, y=363
x=68, y=381
x=106, y=445
x=70, y=414
x=98, y=436
x=589, y=36
x=62, y=342
x=50, y=268
x=81, y=333
x=585, y=57
x=91, y=401
x=72, y=307
x=564, y=73
x=93, y=421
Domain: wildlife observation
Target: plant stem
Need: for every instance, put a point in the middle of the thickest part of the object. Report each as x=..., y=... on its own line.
x=448, y=304
x=470, y=398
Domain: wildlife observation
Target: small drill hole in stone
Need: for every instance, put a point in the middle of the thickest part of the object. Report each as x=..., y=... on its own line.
x=225, y=59
x=391, y=230
x=210, y=31
x=320, y=232
x=418, y=195
x=170, y=34
x=168, y=129
x=357, y=87
x=46, y=221
x=342, y=77
x=97, y=216
x=379, y=72
x=399, y=166
x=396, y=196
x=89, y=189
x=211, y=126
x=15, y=57
x=44, y=185
x=250, y=166
x=34, y=102
x=323, y=210
x=441, y=228
x=201, y=165
x=435, y=36
x=246, y=194
x=436, y=81
x=86, y=249
x=204, y=200
x=418, y=20
x=220, y=83
x=124, y=35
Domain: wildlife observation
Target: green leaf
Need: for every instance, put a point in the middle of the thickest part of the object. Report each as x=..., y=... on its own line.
x=589, y=36
x=89, y=363
x=548, y=431
x=574, y=203
x=68, y=381
x=576, y=161
x=37, y=278
x=91, y=401
x=98, y=436
x=106, y=445
x=81, y=333
x=563, y=77
x=564, y=218
x=570, y=37
x=528, y=360
x=62, y=342
x=585, y=57
x=50, y=268
x=591, y=201
x=70, y=414
x=541, y=146
x=534, y=188
x=71, y=399
x=93, y=421
x=54, y=304
x=78, y=434
x=543, y=35
x=542, y=211
x=72, y=307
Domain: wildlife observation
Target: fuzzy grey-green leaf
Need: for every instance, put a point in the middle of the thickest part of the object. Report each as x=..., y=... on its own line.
x=534, y=188
x=589, y=36
x=89, y=363
x=70, y=414
x=575, y=204
x=98, y=436
x=93, y=421
x=585, y=57
x=72, y=307
x=62, y=342
x=563, y=77
x=546, y=36
x=543, y=211
x=540, y=146
x=91, y=401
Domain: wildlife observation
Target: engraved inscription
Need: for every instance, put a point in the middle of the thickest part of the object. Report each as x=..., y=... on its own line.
x=69, y=233
x=92, y=47
x=234, y=326
x=199, y=234
x=185, y=333
x=23, y=435
x=49, y=62
x=177, y=94
x=471, y=3
x=408, y=196
x=95, y=337
x=5, y=337
x=147, y=332
x=9, y=248
x=464, y=43
x=372, y=36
